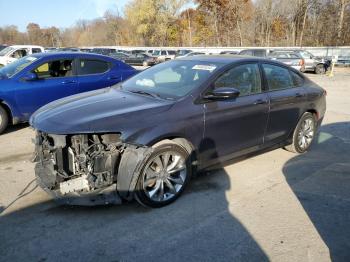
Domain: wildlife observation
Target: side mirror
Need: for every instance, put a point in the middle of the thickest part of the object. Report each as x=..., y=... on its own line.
x=30, y=77
x=222, y=93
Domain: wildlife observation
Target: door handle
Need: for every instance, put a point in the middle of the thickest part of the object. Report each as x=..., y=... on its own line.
x=260, y=102
x=299, y=95
x=66, y=82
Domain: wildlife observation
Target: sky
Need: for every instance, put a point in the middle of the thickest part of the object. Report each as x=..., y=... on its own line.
x=59, y=13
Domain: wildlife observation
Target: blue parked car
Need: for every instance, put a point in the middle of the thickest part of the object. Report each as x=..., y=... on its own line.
x=33, y=81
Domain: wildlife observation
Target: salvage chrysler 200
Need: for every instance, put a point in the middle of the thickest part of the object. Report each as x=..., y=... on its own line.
x=143, y=138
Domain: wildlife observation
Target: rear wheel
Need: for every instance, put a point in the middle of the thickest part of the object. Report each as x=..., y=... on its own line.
x=303, y=134
x=4, y=119
x=164, y=176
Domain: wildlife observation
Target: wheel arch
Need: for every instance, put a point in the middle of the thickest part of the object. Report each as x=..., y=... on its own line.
x=314, y=112
x=8, y=110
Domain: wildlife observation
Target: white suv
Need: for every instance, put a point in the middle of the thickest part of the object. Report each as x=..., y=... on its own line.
x=14, y=52
x=164, y=55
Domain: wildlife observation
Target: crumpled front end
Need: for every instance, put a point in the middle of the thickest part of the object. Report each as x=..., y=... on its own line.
x=85, y=169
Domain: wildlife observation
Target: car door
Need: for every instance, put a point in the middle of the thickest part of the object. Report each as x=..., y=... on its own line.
x=94, y=73
x=55, y=79
x=236, y=125
x=285, y=102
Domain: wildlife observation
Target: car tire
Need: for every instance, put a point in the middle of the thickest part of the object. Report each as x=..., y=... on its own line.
x=320, y=69
x=4, y=119
x=163, y=176
x=303, y=134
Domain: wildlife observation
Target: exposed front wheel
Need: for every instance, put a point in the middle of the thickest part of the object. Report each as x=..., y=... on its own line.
x=4, y=119
x=304, y=134
x=320, y=69
x=164, y=176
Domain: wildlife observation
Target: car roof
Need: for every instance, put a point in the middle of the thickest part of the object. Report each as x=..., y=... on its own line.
x=76, y=54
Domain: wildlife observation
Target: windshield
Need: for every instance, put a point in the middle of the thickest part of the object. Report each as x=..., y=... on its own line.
x=306, y=54
x=171, y=80
x=15, y=67
x=6, y=50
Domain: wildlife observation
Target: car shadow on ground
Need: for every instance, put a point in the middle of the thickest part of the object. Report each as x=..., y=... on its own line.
x=320, y=179
x=14, y=128
x=197, y=227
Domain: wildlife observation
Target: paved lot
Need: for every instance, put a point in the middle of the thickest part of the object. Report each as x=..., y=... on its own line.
x=277, y=206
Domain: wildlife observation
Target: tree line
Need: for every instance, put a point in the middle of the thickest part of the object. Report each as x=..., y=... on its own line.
x=202, y=23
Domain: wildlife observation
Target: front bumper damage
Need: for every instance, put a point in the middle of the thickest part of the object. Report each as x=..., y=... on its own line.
x=88, y=169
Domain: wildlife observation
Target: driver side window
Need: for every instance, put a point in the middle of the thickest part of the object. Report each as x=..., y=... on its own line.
x=245, y=78
x=52, y=69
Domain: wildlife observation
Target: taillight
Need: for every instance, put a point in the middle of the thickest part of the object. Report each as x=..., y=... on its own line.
x=301, y=62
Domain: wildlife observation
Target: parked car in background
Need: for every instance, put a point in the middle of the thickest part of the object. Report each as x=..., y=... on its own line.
x=119, y=55
x=229, y=52
x=35, y=80
x=343, y=60
x=149, y=52
x=183, y=52
x=2, y=47
x=140, y=60
x=144, y=138
x=164, y=55
x=137, y=51
x=105, y=51
x=191, y=54
x=292, y=59
x=312, y=63
x=255, y=52
x=69, y=49
x=15, y=52
x=86, y=50
x=51, y=49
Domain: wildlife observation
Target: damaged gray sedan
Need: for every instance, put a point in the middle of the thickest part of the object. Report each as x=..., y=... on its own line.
x=144, y=138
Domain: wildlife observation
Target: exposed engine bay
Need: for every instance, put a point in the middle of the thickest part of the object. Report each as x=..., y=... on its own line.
x=83, y=169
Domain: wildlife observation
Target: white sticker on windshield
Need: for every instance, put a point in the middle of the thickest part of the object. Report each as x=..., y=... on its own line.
x=204, y=67
x=145, y=82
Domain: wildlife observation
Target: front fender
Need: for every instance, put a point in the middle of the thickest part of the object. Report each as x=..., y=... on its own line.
x=150, y=136
x=14, y=112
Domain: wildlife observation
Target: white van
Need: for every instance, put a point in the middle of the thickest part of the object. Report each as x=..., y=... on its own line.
x=14, y=52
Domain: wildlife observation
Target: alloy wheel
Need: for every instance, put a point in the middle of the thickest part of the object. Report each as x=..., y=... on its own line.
x=164, y=176
x=306, y=133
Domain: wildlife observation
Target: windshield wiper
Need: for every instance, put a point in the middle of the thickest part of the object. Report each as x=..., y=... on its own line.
x=144, y=93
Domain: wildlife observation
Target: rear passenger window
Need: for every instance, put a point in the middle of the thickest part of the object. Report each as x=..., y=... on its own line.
x=245, y=78
x=297, y=79
x=91, y=67
x=277, y=77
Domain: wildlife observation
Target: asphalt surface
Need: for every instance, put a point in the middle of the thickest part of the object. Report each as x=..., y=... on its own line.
x=276, y=206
